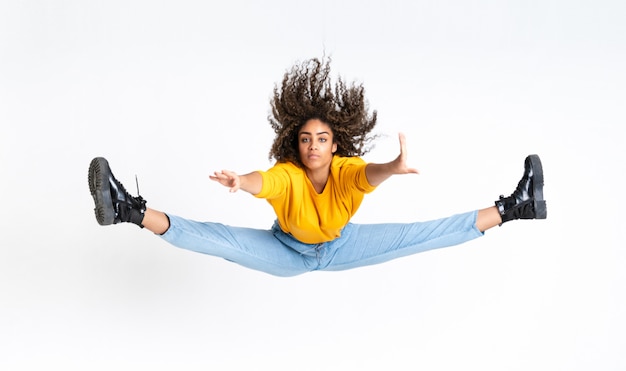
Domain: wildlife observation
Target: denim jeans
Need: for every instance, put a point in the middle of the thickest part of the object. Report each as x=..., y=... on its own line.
x=280, y=254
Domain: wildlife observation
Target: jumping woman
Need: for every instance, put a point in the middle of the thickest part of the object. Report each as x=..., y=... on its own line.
x=316, y=185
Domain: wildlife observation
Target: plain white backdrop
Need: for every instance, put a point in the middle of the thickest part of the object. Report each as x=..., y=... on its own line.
x=173, y=90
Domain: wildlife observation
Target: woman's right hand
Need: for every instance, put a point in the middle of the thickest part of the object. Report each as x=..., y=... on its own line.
x=227, y=179
x=251, y=183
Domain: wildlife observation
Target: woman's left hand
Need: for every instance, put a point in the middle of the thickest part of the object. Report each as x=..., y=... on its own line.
x=399, y=164
x=378, y=173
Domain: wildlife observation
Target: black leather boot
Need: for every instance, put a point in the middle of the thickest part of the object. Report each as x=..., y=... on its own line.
x=113, y=203
x=526, y=202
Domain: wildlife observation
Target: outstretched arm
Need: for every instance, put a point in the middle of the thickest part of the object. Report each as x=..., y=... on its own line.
x=378, y=173
x=251, y=183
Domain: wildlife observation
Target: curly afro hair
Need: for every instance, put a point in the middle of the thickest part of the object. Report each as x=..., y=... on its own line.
x=307, y=93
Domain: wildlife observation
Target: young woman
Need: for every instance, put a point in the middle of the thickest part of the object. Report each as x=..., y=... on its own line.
x=315, y=187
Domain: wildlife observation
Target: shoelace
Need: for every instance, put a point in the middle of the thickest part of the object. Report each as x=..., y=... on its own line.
x=140, y=199
x=137, y=183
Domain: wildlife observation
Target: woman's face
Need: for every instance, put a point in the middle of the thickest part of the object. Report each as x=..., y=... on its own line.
x=316, y=145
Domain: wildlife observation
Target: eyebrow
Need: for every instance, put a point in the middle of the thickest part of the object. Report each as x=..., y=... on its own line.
x=321, y=132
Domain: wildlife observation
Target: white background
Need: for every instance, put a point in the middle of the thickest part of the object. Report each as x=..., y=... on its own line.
x=172, y=91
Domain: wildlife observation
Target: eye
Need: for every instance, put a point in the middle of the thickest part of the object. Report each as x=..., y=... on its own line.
x=304, y=140
x=323, y=140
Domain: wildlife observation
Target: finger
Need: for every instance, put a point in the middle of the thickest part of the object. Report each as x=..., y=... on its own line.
x=215, y=176
x=403, y=153
x=218, y=178
x=402, y=140
x=233, y=180
x=229, y=174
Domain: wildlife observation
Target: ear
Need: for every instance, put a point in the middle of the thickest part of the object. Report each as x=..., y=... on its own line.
x=334, y=149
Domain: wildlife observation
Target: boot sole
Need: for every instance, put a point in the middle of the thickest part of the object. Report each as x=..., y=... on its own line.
x=98, y=177
x=541, y=210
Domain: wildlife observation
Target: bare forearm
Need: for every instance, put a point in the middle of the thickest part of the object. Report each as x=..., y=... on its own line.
x=378, y=173
x=251, y=183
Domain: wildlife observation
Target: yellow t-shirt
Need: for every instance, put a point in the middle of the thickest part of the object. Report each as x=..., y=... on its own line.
x=308, y=216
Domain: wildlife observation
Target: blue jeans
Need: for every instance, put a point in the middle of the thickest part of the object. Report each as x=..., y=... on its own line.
x=278, y=253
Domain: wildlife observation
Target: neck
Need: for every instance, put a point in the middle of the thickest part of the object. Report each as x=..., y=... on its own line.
x=318, y=178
